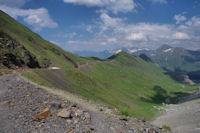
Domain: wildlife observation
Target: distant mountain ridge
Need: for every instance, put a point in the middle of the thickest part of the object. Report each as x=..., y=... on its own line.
x=172, y=58
x=107, y=53
x=167, y=57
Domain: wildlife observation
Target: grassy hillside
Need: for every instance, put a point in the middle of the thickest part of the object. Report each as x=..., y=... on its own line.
x=21, y=47
x=131, y=84
x=125, y=82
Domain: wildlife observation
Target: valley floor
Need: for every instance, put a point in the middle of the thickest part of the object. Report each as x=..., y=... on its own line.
x=182, y=118
x=21, y=105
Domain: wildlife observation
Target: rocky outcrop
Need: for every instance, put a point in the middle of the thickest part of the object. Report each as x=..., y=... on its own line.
x=13, y=54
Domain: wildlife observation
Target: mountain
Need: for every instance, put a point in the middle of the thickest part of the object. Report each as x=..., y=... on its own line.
x=102, y=54
x=21, y=47
x=172, y=58
x=107, y=53
x=131, y=84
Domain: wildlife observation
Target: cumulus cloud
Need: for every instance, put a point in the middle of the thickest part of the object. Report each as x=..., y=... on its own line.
x=159, y=1
x=38, y=18
x=115, y=31
x=180, y=36
x=136, y=37
x=195, y=21
x=109, y=22
x=179, y=18
x=112, y=40
x=112, y=5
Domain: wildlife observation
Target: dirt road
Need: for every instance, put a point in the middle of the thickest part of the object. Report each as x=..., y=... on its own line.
x=182, y=118
x=21, y=101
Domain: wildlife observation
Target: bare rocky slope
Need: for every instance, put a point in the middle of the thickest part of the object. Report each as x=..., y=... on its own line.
x=25, y=108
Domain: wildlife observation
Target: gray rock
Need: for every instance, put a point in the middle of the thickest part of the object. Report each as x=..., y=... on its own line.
x=78, y=113
x=64, y=113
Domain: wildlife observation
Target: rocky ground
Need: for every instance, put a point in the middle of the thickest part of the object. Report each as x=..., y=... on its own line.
x=26, y=108
x=182, y=118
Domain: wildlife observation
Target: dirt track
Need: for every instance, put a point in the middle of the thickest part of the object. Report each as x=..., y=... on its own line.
x=21, y=100
x=182, y=118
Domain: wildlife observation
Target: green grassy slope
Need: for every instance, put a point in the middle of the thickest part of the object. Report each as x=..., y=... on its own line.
x=125, y=82
x=46, y=53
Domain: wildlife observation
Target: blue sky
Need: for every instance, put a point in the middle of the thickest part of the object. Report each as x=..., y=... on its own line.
x=98, y=25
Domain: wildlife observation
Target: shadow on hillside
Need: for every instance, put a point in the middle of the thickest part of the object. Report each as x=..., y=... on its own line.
x=178, y=96
x=177, y=75
x=161, y=96
x=195, y=76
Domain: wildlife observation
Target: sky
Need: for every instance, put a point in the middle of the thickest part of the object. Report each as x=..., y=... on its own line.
x=97, y=25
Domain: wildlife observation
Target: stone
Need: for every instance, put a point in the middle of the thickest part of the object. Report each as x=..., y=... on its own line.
x=87, y=115
x=132, y=131
x=76, y=121
x=143, y=119
x=69, y=121
x=78, y=113
x=64, y=113
x=45, y=114
x=72, y=131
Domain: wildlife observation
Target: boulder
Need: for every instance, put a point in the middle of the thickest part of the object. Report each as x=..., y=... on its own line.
x=45, y=114
x=64, y=113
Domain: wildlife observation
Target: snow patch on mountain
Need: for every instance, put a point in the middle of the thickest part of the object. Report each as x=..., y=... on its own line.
x=118, y=51
x=168, y=50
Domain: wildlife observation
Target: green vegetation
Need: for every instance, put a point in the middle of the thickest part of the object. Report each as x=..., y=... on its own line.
x=125, y=82
x=5, y=71
x=19, y=46
x=168, y=128
x=131, y=84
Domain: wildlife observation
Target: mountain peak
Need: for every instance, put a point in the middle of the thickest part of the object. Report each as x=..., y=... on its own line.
x=164, y=47
x=120, y=53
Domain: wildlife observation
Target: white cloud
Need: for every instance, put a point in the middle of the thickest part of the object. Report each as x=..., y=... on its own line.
x=109, y=22
x=115, y=31
x=179, y=18
x=89, y=29
x=112, y=5
x=136, y=37
x=38, y=18
x=195, y=21
x=180, y=36
x=159, y=1
x=13, y=3
x=112, y=40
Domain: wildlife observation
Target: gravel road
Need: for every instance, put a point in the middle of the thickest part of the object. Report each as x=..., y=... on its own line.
x=22, y=102
x=182, y=118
